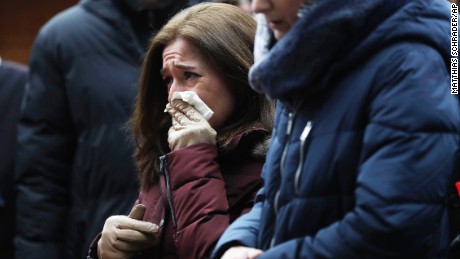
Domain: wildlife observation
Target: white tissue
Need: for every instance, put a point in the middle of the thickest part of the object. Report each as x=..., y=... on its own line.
x=194, y=100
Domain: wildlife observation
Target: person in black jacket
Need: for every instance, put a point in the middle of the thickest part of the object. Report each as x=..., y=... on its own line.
x=13, y=78
x=74, y=166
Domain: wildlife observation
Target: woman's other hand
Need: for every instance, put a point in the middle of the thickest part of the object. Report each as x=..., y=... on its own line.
x=189, y=127
x=125, y=236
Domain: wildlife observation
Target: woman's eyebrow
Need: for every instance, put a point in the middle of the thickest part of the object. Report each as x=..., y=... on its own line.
x=183, y=66
x=179, y=65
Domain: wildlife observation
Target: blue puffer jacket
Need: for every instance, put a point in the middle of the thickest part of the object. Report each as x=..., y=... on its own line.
x=365, y=136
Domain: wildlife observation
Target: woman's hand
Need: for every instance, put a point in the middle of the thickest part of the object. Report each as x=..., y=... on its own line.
x=125, y=236
x=242, y=252
x=189, y=127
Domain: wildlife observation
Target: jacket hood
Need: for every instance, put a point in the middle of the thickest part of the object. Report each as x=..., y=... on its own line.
x=333, y=35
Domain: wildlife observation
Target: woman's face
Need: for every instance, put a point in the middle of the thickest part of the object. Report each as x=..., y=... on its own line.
x=186, y=69
x=280, y=14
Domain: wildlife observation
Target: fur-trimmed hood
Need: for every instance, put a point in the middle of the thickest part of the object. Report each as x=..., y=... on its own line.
x=339, y=34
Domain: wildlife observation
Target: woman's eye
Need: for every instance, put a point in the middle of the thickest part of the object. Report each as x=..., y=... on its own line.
x=167, y=81
x=189, y=75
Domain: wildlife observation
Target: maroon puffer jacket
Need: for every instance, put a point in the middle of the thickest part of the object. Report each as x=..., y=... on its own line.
x=199, y=193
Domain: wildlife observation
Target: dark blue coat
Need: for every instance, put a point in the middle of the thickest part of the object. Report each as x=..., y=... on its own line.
x=74, y=163
x=365, y=134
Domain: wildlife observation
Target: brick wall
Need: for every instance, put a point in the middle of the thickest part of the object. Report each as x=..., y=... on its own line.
x=20, y=21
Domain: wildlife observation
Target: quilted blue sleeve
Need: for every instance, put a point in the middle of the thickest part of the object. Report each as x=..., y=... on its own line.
x=243, y=231
x=408, y=154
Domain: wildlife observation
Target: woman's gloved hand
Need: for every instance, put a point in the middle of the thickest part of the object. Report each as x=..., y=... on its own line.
x=189, y=127
x=125, y=236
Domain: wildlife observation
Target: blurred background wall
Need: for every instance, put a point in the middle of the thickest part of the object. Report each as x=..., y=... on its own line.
x=20, y=21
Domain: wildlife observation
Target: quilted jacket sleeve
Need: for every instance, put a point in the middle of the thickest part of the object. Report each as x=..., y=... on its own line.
x=44, y=158
x=408, y=154
x=242, y=232
x=198, y=198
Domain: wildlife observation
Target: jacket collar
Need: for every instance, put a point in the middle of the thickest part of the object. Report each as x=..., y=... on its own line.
x=108, y=10
x=111, y=9
x=119, y=13
x=253, y=139
x=326, y=33
x=112, y=12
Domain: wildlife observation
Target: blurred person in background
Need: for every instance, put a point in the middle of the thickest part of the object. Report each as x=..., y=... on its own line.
x=196, y=175
x=13, y=77
x=366, y=133
x=74, y=160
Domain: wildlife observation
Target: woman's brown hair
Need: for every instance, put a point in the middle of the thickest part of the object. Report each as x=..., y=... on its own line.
x=225, y=35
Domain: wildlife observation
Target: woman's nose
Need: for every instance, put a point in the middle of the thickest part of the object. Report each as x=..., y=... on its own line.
x=174, y=88
x=260, y=6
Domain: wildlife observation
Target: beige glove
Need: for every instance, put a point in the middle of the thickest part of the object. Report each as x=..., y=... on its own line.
x=125, y=236
x=189, y=127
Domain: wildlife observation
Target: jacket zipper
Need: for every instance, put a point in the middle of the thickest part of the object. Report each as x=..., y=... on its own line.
x=286, y=147
x=283, y=159
x=303, y=137
x=283, y=156
x=164, y=168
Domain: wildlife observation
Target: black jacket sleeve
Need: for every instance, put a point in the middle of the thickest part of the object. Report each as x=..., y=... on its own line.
x=44, y=157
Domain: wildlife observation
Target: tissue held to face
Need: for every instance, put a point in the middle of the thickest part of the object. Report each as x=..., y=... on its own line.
x=186, y=69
